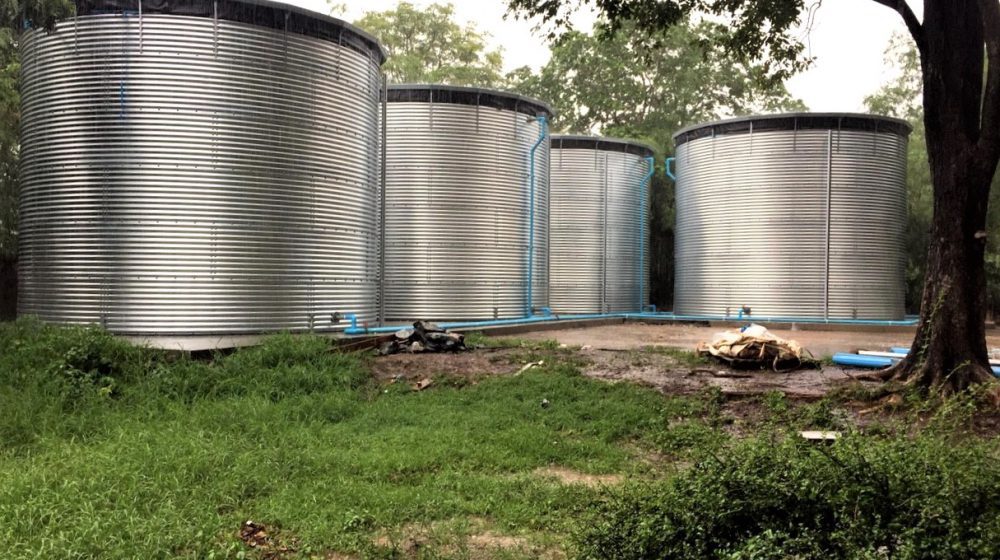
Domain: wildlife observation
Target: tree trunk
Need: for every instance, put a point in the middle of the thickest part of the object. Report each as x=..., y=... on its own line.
x=949, y=350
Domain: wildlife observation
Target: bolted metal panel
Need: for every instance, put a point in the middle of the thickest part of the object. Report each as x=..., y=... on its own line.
x=596, y=225
x=186, y=174
x=793, y=216
x=457, y=204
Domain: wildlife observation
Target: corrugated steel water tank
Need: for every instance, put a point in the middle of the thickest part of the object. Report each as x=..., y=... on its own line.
x=599, y=260
x=200, y=166
x=798, y=216
x=458, y=213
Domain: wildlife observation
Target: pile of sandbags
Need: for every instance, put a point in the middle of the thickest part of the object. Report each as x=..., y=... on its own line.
x=423, y=337
x=754, y=347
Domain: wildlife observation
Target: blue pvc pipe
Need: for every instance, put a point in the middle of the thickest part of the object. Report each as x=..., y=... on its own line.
x=542, y=132
x=643, y=202
x=904, y=351
x=667, y=167
x=857, y=360
x=354, y=329
x=804, y=320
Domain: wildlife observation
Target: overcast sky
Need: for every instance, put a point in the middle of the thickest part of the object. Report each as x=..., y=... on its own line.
x=848, y=38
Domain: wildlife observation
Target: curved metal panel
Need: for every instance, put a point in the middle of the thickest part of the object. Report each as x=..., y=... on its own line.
x=191, y=175
x=792, y=223
x=457, y=212
x=596, y=229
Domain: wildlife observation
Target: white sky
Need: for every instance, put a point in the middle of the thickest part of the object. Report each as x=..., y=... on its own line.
x=847, y=40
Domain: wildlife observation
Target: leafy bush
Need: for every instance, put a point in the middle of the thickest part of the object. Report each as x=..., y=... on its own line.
x=769, y=499
x=47, y=371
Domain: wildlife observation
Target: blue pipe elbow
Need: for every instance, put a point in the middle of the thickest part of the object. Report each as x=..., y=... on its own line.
x=668, y=165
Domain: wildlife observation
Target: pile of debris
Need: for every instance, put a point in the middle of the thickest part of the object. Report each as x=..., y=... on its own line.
x=423, y=337
x=754, y=347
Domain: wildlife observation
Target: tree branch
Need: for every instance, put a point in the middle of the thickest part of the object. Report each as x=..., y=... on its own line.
x=909, y=18
x=990, y=122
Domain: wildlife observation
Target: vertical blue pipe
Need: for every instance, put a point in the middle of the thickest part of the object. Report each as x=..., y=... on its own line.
x=666, y=167
x=643, y=202
x=542, y=132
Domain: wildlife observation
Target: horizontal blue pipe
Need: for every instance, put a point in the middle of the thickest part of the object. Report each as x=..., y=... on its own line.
x=809, y=320
x=354, y=329
x=844, y=359
x=899, y=350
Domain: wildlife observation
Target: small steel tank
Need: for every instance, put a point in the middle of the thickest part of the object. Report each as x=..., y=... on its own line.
x=460, y=226
x=792, y=216
x=599, y=260
x=200, y=166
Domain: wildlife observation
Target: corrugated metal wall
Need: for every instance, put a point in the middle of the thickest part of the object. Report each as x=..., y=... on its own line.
x=596, y=227
x=457, y=207
x=801, y=222
x=191, y=175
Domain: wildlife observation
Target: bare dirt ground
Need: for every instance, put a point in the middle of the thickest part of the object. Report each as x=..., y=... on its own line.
x=649, y=366
x=686, y=337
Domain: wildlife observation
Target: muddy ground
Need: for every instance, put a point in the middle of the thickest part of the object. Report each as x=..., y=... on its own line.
x=686, y=336
x=668, y=371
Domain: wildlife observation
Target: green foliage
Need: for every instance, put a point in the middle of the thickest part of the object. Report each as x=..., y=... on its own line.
x=43, y=13
x=858, y=499
x=426, y=45
x=181, y=452
x=761, y=30
x=659, y=83
x=903, y=98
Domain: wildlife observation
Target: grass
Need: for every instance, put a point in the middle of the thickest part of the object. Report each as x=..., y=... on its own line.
x=114, y=452
x=111, y=451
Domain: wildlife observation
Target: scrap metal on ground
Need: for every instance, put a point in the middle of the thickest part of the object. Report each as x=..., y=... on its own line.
x=754, y=347
x=423, y=337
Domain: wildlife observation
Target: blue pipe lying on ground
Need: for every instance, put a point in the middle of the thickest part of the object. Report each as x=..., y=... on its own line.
x=856, y=360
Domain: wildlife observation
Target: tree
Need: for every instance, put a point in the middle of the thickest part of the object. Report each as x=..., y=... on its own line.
x=902, y=98
x=959, y=46
x=661, y=83
x=426, y=45
x=13, y=18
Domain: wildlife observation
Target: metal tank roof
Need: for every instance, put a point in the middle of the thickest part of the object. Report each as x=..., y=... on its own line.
x=264, y=13
x=463, y=95
x=794, y=121
x=604, y=143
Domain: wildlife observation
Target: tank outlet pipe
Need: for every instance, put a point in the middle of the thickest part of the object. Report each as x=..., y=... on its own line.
x=529, y=309
x=668, y=166
x=354, y=328
x=643, y=202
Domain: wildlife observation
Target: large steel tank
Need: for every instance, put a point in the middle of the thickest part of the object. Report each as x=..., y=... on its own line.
x=460, y=224
x=599, y=256
x=796, y=215
x=200, y=166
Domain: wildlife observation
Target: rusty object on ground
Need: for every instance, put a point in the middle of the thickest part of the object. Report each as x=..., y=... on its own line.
x=423, y=337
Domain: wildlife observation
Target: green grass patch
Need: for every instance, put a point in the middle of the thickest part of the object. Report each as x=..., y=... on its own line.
x=117, y=452
x=112, y=451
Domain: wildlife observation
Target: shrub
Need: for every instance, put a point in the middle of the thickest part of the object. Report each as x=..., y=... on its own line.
x=769, y=499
